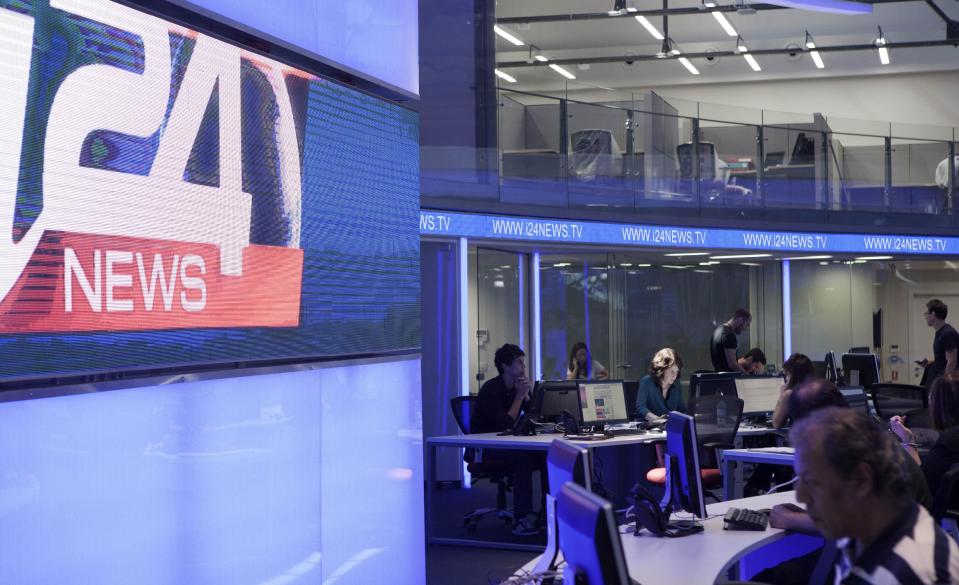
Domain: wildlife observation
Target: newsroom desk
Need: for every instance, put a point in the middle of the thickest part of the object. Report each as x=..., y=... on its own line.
x=507, y=442
x=707, y=557
x=773, y=455
x=539, y=442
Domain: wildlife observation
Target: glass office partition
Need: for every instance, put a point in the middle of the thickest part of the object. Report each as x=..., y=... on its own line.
x=727, y=165
x=913, y=177
x=792, y=169
x=862, y=172
x=499, y=293
x=600, y=155
x=532, y=150
x=832, y=306
x=678, y=305
x=574, y=306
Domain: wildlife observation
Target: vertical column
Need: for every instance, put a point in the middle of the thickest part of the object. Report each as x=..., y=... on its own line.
x=462, y=302
x=537, y=360
x=787, y=312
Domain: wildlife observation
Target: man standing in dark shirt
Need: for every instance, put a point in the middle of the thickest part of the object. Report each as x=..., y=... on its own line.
x=498, y=405
x=944, y=344
x=723, y=345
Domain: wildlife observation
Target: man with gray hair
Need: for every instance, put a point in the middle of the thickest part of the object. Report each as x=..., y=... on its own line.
x=853, y=480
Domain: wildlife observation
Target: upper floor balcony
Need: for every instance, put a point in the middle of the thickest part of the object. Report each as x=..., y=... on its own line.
x=636, y=161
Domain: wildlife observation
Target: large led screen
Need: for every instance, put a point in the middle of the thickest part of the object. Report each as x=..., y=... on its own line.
x=168, y=198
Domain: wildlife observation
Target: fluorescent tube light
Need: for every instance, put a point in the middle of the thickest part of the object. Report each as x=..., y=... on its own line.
x=681, y=254
x=864, y=258
x=689, y=66
x=817, y=60
x=650, y=28
x=504, y=76
x=561, y=71
x=752, y=62
x=721, y=19
x=821, y=257
x=811, y=44
x=737, y=256
x=883, y=51
x=506, y=35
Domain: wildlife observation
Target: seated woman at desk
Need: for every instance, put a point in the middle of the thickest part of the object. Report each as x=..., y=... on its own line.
x=582, y=366
x=660, y=391
x=797, y=370
x=944, y=412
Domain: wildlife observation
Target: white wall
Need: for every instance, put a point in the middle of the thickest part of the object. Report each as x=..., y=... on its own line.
x=832, y=307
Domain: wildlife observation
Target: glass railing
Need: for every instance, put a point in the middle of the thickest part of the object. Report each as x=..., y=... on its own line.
x=648, y=152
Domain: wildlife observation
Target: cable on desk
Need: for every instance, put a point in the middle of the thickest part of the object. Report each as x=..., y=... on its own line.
x=536, y=578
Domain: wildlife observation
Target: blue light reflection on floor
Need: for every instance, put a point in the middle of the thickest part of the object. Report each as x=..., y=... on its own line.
x=304, y=477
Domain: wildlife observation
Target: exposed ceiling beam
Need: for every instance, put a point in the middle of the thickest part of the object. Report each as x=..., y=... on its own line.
x=656, y=57
x=686, y=11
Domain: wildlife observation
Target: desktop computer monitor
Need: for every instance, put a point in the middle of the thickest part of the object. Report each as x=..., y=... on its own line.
x=860, y=369
x=550, y=399
x=759, y=393
x=684, y=486
x=709, y=383
x=589, y=538
x=565, y=463
x=804, y=150
x=830, y=363
x=602, y=403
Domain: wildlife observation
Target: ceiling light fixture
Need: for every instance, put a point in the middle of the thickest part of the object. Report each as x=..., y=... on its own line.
x=681, y=254
x=811, y=45
x=883, y=51
x=504, y=76
x=561, y=71
x=721, y=19
x=536, y=54
x=507, y=35
x=744, y=51
x=737, y=256
x=865, y=258
x=822, y=257
x=649, y=27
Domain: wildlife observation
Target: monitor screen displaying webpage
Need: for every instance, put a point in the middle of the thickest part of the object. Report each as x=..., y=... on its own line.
x=602, y=403
x=759, y=394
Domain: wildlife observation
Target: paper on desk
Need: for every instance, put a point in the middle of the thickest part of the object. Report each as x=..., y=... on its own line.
x=784, y=450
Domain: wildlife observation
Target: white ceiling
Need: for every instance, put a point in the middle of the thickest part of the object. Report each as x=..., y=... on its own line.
x=773, y=29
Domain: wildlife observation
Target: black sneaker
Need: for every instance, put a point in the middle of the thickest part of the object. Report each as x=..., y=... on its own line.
x=527, y=526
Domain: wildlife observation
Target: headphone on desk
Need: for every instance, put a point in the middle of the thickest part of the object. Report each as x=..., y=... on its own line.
x=647, y=511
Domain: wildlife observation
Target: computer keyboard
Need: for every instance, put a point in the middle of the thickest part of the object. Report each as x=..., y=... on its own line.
x=625, y=431
x=743, y=519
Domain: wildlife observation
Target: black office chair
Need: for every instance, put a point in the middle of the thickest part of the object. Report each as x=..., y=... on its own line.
x=495, y=471
x=714, y=436
x=898, y=399
x=945, y=503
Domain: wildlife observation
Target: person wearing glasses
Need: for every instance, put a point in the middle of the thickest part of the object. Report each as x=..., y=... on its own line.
x=944, y=345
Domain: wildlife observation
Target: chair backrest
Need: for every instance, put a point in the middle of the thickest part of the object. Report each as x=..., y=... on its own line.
x=898, y=399
x=630, y=393
x=589, y=538
x=946, y=497
x=462, y=411
x=717, y=420
x=707, y=160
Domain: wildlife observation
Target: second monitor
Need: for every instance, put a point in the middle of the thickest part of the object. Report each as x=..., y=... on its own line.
x=602, y=403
